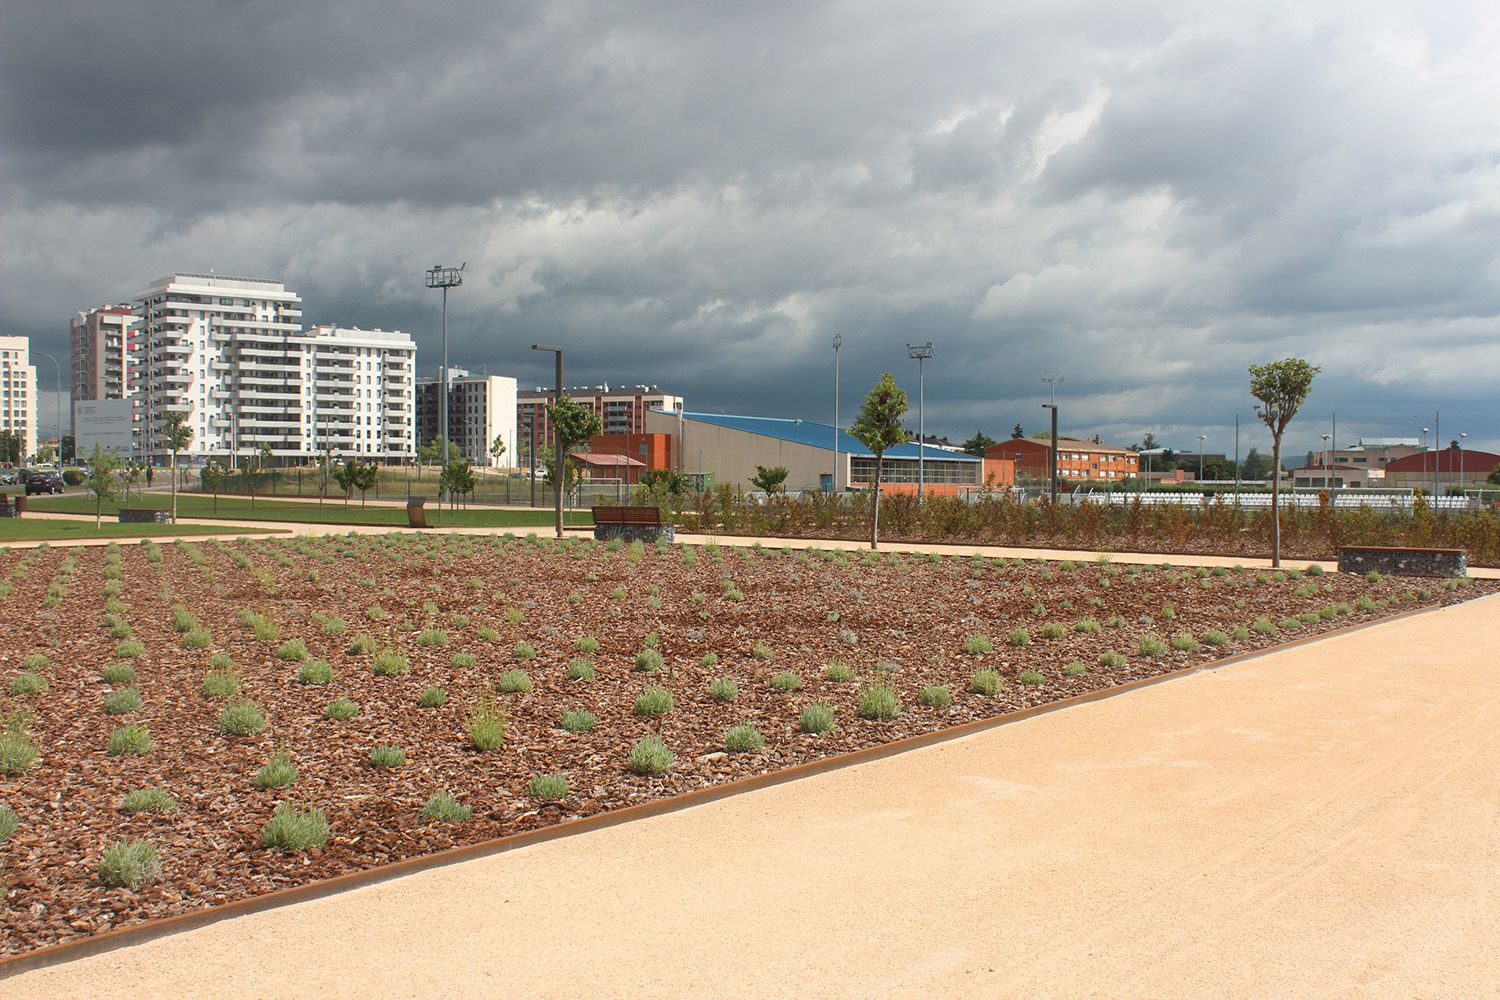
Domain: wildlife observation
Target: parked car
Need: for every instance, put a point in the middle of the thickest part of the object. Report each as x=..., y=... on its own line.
x=43, y=482
x=7, y=478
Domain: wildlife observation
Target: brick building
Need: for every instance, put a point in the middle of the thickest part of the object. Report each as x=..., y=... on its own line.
x=1077, y=460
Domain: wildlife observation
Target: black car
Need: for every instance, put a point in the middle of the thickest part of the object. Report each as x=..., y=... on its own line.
x=43, y=482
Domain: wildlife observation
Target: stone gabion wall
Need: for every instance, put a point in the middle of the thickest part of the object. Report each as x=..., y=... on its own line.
x=144, y=515
x=635, y=532
x=1403, y=562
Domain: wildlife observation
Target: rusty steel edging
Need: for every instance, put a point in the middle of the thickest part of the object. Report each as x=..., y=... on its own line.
x=140, y=933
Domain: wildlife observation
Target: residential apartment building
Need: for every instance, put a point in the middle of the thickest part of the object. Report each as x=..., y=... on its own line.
x=18, y=393
x=621, y=410
x=231, y=355
x=480, y=408
x=359, y=392
x=1077, y=460
x=104, y=353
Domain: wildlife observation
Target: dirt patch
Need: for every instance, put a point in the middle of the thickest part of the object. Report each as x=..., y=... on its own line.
x=900, y=620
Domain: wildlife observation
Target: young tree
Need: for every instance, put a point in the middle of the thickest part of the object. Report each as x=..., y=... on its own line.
x=772, y=480
x=497, y=447
x=978, y=443
x=574, y=424
x=179, y=434
x=1281, y=388
x=345, y=475
x=366, y=475
x=253, y=468
x=1494, y=476
x=212, y=477
x=878, y=427
x=1016, y=431
x=101, y=481
x=458, y=479
x=325, y=469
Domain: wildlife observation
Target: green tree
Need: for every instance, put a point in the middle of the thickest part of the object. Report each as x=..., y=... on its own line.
x=978, y=443
x=1281, y=387
x=497, y=447
x=179, y=434
x=325, y=470
x=878, y=428
x=1016, y=431
x=573, y=424
x=10, y=447
x=1494, y=476
x=457, y=478
x=431, y=453
x=211, y=476
x=345, y=474
x=1148, y=443
x=1255, y=466
x=772, y=480
x=101, y=481
x=366, y=475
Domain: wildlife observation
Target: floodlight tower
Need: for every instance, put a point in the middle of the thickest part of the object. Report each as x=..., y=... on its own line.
x=838, y=342
x=445, y=278
x=920, y=353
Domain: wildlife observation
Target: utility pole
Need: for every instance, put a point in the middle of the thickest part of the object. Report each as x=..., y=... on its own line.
x=559, y=473
x=1053, y=408
x=920, y=353
x=838, y=342
x=445, y=278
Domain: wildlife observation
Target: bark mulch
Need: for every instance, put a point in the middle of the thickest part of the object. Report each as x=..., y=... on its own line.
x=898, y=620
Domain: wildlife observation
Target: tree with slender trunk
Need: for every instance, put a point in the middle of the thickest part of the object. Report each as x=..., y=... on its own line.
x=345, y=474
x=574, y=424
x=212, y=477
x=878, y=427
x=101, y=481
x=179, y=434
x=1281, y=388
x=366, y=475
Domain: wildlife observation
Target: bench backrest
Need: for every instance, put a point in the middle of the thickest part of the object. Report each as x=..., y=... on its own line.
x=626, y=515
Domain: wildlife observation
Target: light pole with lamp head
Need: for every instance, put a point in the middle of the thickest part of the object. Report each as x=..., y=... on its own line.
x=57, y=391
x=1053, y=408
x=1201, y=438
x=1327, y=465
x=1424, y=457
x=445, y=278
x=838, y=342
x=920, y=353
x=560, y=472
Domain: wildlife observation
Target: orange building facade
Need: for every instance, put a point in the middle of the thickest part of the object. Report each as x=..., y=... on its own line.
x=1077, y=460
x=653, y=451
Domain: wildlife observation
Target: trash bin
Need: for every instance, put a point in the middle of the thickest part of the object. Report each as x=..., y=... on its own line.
x=415, y=516
x=20, y=501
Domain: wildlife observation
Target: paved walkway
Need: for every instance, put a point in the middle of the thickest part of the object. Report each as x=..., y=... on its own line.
x=1317, y=822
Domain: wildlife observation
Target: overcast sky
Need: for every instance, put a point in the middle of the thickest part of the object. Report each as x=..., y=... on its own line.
x=1144, y=197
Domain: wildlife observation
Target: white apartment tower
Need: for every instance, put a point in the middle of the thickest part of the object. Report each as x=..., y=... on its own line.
x=362, y=394
x=18, y=392
x=232, y=356
x=480, y=407
x=104, y=354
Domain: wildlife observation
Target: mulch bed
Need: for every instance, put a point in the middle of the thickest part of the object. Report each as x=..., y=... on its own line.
x=905, y=618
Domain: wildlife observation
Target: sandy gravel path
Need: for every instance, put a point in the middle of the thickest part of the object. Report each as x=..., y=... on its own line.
x=1317, y=822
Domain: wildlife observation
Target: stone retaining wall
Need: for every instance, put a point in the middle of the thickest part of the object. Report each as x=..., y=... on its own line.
x=144, y=515
x=649, y=533
x=1402, y=562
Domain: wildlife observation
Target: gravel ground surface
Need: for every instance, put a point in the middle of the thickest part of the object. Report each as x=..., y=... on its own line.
x=900, y=621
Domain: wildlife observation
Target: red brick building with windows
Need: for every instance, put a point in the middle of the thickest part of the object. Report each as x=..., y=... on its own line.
x=651, y=451
x=1077, y=460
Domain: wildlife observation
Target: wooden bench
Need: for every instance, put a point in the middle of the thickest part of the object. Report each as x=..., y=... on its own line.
x=1397, y=560
x=144, y=515
x=631, y=524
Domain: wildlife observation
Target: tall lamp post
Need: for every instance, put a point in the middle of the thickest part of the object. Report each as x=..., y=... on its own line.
x=57, y=391
x=560, y=472
x=920, y=353
x=1201, y=438
x=1424, y=458
x=838, y=341
x=445, y=278
x=1327, y=465
x=1053, y=408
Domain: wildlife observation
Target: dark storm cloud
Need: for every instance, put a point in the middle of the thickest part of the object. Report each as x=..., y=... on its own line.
x=1146, y=197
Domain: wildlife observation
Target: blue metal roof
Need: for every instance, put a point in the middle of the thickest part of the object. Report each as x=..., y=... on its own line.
x=810, y=432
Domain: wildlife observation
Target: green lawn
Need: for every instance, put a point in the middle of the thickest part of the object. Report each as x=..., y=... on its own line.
x=35, y=529
x=333, y=512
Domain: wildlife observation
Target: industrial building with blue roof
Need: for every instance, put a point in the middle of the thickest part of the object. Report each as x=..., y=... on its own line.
x=731, y=446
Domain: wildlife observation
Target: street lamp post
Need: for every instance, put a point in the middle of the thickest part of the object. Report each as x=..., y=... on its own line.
x=1327, y=465
x=445, y=278
x=57, y=391
x=838, y=342
x=1201, y=438
x=1053, y=408
x=559, y=472
x=920, y=353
